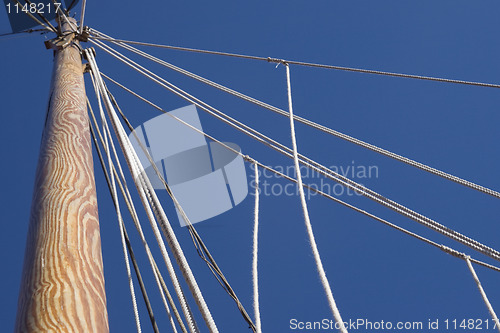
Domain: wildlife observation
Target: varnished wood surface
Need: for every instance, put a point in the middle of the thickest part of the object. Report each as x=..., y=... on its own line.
x=62, y=287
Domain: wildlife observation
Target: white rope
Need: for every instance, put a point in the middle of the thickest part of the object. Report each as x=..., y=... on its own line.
x=63, y=14
x=145, y=197
x=128, y=198
x=137, y=175
x=198, y=242
x=148, y=193
x=82, y=15
x=483, y=294
x=248, y=158
x=401, y=209
x=117, y=207
x=135, y=218
x=314, y=247
x=302, y=63
x=256, y=226
x=148, y=196
x=255, y=274
x=308, y=122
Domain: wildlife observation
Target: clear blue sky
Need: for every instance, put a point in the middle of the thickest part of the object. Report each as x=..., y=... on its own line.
x=376, y=273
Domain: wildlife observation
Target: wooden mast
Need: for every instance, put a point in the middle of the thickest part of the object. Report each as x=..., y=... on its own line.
x=62, y=287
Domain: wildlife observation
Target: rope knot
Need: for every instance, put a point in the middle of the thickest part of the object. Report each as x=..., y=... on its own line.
x=248, y=159
x=276, y=60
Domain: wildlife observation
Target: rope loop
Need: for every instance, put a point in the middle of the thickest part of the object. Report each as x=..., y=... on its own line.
x=249, y=159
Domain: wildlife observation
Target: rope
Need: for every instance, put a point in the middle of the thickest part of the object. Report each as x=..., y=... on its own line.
x=24, y=31
x=171, y=300
x=198, y=242
x=319, y=168
x=468, y=259
x=145, y=196
x=158, y=277
x=322, y=170
x=147, y=192
x=443, y=248
x=314, y=247
x=300, y=63
x=141, y=283
x=483, y=294
x=200, y=246
x=128, y=200
x=161, y=284
x=152, y=262
x=322, y=128
x=71, y=5
x=327, y=196
x=127, y=240
x=82, y=15
x=20, y=34
x=202, y=249
x=117, y=208
x=63, y=14
x=255, y=274
x=11, y=33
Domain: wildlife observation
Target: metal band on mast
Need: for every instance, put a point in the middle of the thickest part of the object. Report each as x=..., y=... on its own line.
x=62, y=287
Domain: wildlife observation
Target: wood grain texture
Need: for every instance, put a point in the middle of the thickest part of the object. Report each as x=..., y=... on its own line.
x=62, y=287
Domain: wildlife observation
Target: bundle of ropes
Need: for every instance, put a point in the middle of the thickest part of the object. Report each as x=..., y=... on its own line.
x=109, y=128
x=299, y=158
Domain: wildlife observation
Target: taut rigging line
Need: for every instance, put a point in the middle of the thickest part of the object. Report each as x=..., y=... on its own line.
x=300, y=63
x=313, y=124
x=330, y=174
x=131, y=207
x=200, y=246
x=443, y=248
x=247, y=158
x=154, y=209
x=114, y=195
